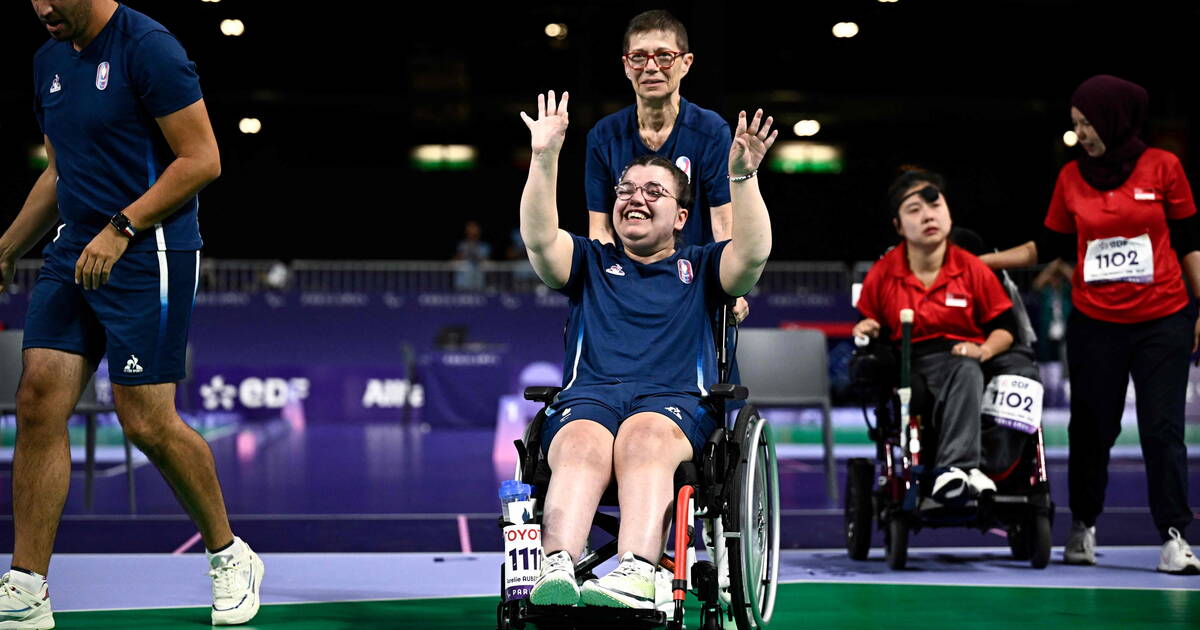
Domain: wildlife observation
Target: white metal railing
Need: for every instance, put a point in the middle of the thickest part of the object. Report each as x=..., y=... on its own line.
x=406, y=276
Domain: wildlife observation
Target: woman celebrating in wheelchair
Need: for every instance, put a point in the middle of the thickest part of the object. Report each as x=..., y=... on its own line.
x=963, y=319
x=640, y=352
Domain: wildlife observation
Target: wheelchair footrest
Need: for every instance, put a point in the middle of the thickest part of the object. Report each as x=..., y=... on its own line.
x=580, y=617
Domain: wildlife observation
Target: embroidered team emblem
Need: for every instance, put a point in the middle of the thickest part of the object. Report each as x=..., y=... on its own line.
x=685, y=165
x=55, y=85
x=132, y=366
x=615, y=270
x=685, y=271
x=102, y=75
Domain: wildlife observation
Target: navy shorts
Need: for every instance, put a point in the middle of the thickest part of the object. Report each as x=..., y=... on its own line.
x=140, y=318
x=610, y=405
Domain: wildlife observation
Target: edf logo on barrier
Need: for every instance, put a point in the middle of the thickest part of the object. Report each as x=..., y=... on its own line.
x=253, y=392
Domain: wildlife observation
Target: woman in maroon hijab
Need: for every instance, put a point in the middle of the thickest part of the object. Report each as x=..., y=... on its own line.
x=1124, y=214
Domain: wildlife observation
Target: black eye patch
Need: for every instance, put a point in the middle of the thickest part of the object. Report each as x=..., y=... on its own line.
x=929, y=193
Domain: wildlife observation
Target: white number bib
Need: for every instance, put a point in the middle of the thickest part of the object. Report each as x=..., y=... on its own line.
x=522, y=558
x=1119, y=259
x=1015, y=402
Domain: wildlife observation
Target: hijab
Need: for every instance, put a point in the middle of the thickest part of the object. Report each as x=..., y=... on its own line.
x=1116, y=108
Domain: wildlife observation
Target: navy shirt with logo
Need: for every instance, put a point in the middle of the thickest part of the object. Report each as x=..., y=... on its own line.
x=698, y=144
x=98, y=108
x=637, y=323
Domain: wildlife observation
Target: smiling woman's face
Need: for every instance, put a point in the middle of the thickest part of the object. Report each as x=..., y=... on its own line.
x=648, y=225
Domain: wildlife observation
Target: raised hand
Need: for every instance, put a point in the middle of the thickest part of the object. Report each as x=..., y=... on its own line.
x=750, y=143
x=550, y=129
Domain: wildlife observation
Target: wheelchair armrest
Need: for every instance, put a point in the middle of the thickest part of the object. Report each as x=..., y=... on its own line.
x=541, y=394
x=729, y=391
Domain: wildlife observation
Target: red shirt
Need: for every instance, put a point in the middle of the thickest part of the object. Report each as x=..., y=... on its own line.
x=1157, y=190
x=964, y=295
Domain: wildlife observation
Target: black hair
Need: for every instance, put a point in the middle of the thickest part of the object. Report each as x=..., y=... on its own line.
x=909, y=177
x=656, y=20
x=683, y=187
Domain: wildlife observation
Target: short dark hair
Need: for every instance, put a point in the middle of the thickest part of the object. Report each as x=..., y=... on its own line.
x=683, y=187
x=656, y=20
x=909, y=177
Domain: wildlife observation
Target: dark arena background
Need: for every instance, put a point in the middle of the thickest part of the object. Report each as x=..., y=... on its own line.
x=361, y=390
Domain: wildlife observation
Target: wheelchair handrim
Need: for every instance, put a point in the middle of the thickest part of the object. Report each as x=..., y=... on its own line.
x=762, y=604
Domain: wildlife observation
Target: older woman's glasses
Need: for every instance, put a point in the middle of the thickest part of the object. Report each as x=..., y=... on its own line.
x=653, y=191
x=663, y=59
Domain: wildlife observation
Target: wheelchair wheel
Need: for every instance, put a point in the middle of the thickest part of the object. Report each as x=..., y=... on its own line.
x=754, y=516
x=1040, y=542
x=896, y=542
x=1018, y=541
x=860, y=475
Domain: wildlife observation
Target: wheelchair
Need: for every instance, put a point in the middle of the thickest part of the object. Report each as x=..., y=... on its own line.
x=894, y=489
x=732, y=486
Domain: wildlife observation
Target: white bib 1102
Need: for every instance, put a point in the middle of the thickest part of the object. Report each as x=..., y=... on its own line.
x=1015, y=402
x=1119, y=259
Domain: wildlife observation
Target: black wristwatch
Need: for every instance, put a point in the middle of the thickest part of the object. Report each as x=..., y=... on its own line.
x=121, y=222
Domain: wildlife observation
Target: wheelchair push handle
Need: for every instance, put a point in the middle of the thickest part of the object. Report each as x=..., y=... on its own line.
x=906, y=327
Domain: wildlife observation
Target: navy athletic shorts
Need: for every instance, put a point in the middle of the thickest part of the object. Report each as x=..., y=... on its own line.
x=610, y=405
x=140, y=318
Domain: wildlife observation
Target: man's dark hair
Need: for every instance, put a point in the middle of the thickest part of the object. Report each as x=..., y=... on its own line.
x=909, y=177
x=682, y=190
x=656, y=20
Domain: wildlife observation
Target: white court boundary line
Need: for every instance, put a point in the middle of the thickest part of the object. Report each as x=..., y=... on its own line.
x=487, y=555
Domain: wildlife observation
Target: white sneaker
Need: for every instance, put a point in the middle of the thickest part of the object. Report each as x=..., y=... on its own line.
x=630, y=585
x=556, y=585
x=1081, y=545
x=980, y=482
x=237, y=574
x=950, y=486
x=1177, y=556
x=21, y=609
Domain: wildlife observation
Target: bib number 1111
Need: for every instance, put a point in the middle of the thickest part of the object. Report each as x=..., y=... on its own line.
x=528, y=558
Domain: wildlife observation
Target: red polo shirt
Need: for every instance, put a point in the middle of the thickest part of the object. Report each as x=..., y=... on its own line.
x=1157, y=190
x=964, y=295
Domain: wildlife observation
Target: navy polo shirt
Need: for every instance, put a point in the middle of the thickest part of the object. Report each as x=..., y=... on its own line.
x=645, y=324
x=98, y=108
x=698, y=144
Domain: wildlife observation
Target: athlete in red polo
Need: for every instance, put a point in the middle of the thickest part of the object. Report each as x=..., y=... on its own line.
x=1124, y=214
x=963, y=319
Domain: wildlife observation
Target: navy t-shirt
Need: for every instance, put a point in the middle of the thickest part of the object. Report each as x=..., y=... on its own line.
x=698, y=144
x=646, y=324
x=98, y=108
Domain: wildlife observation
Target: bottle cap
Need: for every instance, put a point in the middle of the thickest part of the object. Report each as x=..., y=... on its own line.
x=510, y=489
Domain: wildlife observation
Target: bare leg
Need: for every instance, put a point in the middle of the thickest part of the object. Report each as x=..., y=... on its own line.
x=148, y=415
x=50, y=387
x=581, y=458
x=648, y=449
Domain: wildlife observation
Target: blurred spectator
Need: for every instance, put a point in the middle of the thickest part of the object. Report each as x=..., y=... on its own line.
x=1053, y=287
x=472, y=251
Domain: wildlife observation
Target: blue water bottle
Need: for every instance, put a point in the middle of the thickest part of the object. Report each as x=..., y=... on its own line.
x=511, y=493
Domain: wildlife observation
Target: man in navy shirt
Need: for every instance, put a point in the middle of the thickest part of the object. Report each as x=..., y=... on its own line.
x=661, y=122
x=640, y=355
x=130, y=145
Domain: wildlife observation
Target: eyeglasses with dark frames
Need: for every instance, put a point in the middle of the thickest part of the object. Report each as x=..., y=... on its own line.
x=651, y=190
x=662, y=58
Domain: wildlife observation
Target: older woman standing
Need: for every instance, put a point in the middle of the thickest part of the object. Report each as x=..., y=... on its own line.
x=1124, y=214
